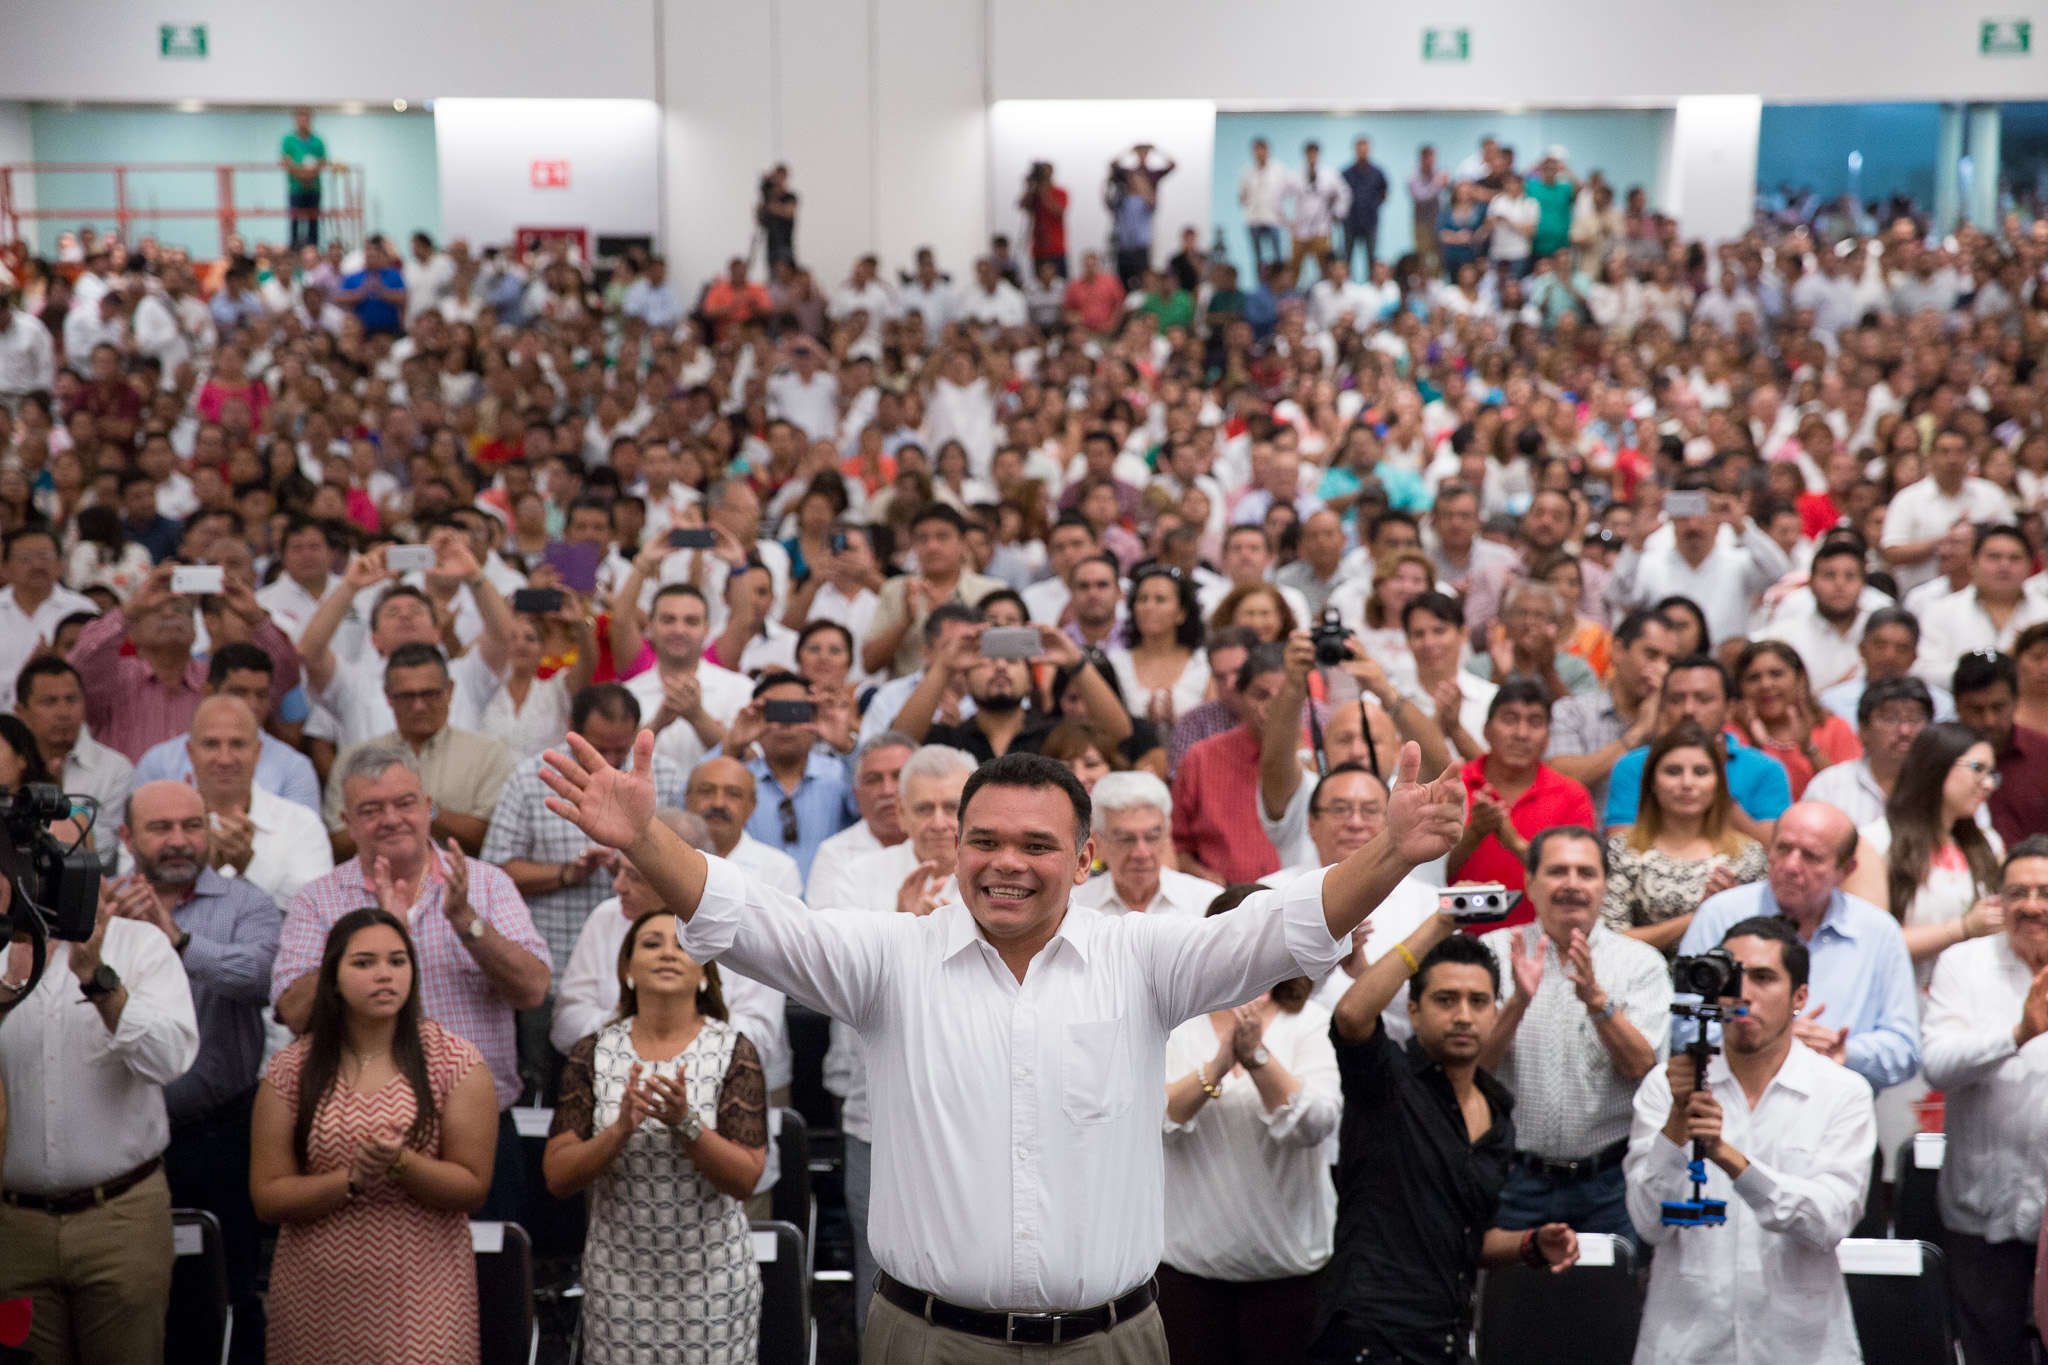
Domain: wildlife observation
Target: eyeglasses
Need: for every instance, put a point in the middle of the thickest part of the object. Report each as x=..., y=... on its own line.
x=2020, y=895
x=1985, y=773
x=1344, y=810
x=786, y=808
x=425, y=698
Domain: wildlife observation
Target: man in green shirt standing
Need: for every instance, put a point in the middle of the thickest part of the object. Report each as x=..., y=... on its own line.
x=1553, y=189
x=303, y=157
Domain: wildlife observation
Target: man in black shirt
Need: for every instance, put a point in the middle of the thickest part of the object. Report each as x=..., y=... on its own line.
x=1003, y=722
x=1425, y=1148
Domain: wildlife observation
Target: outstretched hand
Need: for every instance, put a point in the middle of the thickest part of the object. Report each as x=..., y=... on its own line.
x=610, y=806
x=1424, y=819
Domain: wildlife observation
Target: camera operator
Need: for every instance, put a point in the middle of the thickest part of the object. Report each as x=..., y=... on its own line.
x=1400, y=1284
x=85, y=1218
x=1587, y=1018
x=1046, y=204
x=1866, y=1011
x=1986, y=1012
x=1787, y=1140
x=776, y=215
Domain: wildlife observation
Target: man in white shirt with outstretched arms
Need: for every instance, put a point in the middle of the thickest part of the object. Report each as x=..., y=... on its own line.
x=1788, y=1137
x=1013, y=1034
x=1981, y=1042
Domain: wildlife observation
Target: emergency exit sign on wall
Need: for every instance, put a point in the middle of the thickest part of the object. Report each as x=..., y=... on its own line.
x=1447, y=44
x=181, y=40
x=2005, y=38
x=550, y=175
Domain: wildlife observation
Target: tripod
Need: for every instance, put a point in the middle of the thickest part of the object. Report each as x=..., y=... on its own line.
x=1699, y=1211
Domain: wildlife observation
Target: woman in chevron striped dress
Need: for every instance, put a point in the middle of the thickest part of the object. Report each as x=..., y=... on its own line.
x=373, y=1142
x=663, y=1118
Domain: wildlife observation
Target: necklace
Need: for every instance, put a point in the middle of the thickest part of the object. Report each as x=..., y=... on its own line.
x=362, y=1062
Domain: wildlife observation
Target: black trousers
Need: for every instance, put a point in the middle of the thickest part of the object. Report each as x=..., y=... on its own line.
x=207, y=1166
x=1346, y=1340
x=506, y=1202
x=1993, y=1283
x=1232, y=1322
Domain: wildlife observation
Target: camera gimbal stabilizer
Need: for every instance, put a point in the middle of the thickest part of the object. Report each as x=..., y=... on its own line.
x=1715, y=976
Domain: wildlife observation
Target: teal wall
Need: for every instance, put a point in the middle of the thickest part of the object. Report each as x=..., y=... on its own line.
x=1623, y=144
x=401, y=182
x=1808, y=146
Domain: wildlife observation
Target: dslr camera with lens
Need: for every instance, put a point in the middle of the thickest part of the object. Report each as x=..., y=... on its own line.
x=1333, y=642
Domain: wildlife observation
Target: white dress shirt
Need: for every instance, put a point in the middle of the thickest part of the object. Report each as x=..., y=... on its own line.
x=290, y=848
x=811, y=405
x=767, y=865
x=1830, y=655
x=1248, y=1190
x=1850, y=788
x=28, y=356
x=1961, y=626
x=1047, y=599
x=85, y=1105
x=832, y=858
x=720, y=691
x=1921, y=511
x=1570, y=1102
x=106, y=775
x=1725, y=584
x=22, y=632
x=1178, y=894
x=1017, y=1155
x=1995, y=1172
x=1766, y=1287
x=1259, y=190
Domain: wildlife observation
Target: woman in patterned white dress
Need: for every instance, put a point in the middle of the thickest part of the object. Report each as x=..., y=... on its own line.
x=668, y=1266
x=373, y=1138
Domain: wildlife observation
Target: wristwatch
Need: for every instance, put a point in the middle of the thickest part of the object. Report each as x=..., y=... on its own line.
x=1604, y=1013
x=475, y=932
x=1258, y=1058
x=104, y=983
x=692, y=1127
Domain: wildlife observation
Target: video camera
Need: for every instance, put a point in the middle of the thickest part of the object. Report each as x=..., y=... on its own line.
x=56, y=887
x=1714, y=976
x=1484, y=904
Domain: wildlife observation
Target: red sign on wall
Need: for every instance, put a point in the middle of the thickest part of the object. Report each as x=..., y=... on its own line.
x=551, y=175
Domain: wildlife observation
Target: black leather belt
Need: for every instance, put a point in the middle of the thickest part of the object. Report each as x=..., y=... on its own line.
x=1017, y=1329
x=1572, y=1172
x=78, y=1201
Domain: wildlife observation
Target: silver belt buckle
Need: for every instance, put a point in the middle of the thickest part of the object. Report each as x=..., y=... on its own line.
x=1010, y=1321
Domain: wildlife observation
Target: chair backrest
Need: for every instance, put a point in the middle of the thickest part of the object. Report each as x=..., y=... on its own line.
x=780, y=1253
x=1876, y=1219
x=554, y=1226
x=1898, y=1292
x=200, y=1322
x=504, y=1293
x=790, y=1200
x=1916, y=1212
x=1588, y=1315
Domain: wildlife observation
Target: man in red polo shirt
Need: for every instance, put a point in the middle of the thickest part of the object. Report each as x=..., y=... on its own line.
x=1513, y=793
x=1095, y=300
x=1216, y=831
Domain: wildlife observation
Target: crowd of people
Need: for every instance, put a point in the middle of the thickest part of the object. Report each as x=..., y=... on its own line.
x=1694, y=591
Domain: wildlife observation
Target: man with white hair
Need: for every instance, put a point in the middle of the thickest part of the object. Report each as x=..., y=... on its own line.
x=587, y=997
x=877, y=790
x=1133, y=824
x=913, y=877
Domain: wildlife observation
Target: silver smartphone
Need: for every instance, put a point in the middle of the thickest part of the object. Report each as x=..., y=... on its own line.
x=1011, y=642
x=409, y=558
x=1688, y=502
x=200, y=579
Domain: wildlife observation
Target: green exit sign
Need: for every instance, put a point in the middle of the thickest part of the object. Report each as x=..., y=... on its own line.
x=1447, y=45
x=181, y=41
x=2005, y=38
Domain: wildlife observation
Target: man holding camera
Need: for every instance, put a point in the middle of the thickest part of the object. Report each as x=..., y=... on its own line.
x=805, y=797
x=1787, y=1141
x=1986, y=1012
x=1408, y=1250
x=1046, y=203
x=776, y=216
x=1585, y=1020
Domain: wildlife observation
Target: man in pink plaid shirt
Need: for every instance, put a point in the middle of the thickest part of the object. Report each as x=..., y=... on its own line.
x=480, y=958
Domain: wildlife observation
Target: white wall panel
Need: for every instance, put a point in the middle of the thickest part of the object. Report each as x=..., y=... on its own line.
x=487, y=147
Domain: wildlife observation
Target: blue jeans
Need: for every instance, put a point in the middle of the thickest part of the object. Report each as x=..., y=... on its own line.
x=1267, y=245
x=860, y=1166
x=1596, y=1204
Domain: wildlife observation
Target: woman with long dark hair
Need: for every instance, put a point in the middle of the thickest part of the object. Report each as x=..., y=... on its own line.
x=1928, y=861
x=1683, y=846
x=1777, y=711
x=663, y=1117
x=373, y=1141
x=1164, y=668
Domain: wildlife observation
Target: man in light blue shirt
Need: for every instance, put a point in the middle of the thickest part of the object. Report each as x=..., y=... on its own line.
x=804, y=796
x=650, y=298
x=1865, y=1004
x=241, y=671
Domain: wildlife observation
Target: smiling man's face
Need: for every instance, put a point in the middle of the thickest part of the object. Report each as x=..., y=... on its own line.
x=1018, y=860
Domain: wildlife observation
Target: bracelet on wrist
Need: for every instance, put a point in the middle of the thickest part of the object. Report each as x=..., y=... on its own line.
x=1532, y=1254
x=1214, y=1092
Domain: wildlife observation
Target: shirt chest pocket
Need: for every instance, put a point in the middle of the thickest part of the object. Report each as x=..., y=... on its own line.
x=1095, y=1071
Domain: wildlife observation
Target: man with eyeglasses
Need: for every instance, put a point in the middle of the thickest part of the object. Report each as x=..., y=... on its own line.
x=1987, y=1009
x=1890, y=715
x=722, y=793
x=464, y=772
x=1133, y=823
x=33, y=602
